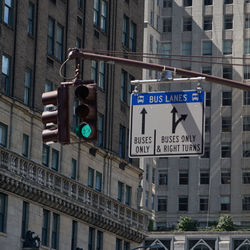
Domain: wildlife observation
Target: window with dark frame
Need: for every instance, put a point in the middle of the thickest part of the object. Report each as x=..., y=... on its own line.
x=163, y=178
x=206, y=151
x=226, y=98
x=120, y=191
x=8, y=14
x=125, y=32
x=226, y=150
x=225, y=177
x=73, y=168
x=91, y=239
x=3, y=134
x=246, y=98
x=228, y=72
x=100, y=130
x=45, y=228
x=122, y=141
x=187, y=24
x=162, y=204
x=187, y=3
x=227, y=47
x=207, y=48
x=98, y=181
x=45, y=155
x=226, y=124
x=247, y=46
x=204, y=177
x=31, y=12
x=27, y=86
x=167, y=25
x=208, y=2
x=246, y=203
x=3, y=212
x=55, y=231
x=183, y=203
x=6, y=74
x=74, y=235
x=99, y=240
x=55, y=159
x=128, y=195
x=246, y=69
x=246, y=149
x=208, y=23
x=183, y=177
x=25, y=145
x=25, y=219
x=225, y=203
x=204, y=203
x=91, y=173
x=228, y=22
x=247, y=21
x=245, y=177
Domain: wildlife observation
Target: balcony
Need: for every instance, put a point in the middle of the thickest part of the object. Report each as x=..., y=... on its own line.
x=40, y=184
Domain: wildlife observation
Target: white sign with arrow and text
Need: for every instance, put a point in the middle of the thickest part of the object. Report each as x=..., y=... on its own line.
x=164, y=124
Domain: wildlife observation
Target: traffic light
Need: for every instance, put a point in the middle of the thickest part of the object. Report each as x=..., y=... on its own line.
x=50, y=118
x=86, y=111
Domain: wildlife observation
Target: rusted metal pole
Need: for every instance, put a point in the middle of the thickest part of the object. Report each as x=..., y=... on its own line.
x=77, y=54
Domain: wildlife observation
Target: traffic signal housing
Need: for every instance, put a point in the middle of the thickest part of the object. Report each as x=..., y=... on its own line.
x=59, y=116
x=86, y=111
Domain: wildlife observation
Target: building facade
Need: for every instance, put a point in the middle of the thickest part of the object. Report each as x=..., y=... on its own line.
x=81, y=195
x=212, y=37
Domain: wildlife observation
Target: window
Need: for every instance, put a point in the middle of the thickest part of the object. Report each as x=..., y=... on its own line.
x=246, y=149
x=5, y=82
x=25, y=219
x=91, y=240
x=118, y=244
x=153, y=175
x=207, y=48
x=126, y=245
x=246, y=203
x=78, y=43
x=204, y=203
x=167, y=3
x=207, y=124
x=207, y=70
x=163, y=178
x=55, y=159
x=187, y=24
x=55, y=231
x=228, y=22
x=152, y=17
x=225, y=177
x=226, y=98
x=98, y=181
x=146, y=199
x=166, y=49
x=206, y=151
x=162, y=203
x=246, y=123
x=204, y=177
x=25, y=145
x=246, y=177
x=120, y=191
x=187, y=3
x=247, y=46
x=128, y=195
x=167, y=25
x=122, y=141
x=104, y=16
x=183, y=177
x=246, y=98
x=183, y=203
x=27, y=86
x=125, y=32
x=226, y=124
x=73, y=168
x=153, y=202
x=151, y=42
x=102, y=75
x=31, y=19
x=45, y=227
x=45, y=155
x=225, y=203
x=147, y=172
x=100, y=130
x=227, y=47
x=228, y=1
x=8, y=12
x=246, y=71
x=91, y=177
x=51, y=36
x=96, y=12
x=74, y=235
x=227, y=72
x=247, y=21
x=55, y=39
x=208, y=2
x=186, y=48
x=80, y=4
x=226, y=150
x=3, y=212
x=124, y=82
x=3, y=134
x=99, y=240
x=207, y=23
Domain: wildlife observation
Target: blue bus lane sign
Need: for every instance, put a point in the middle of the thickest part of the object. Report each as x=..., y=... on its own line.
x=167, y=124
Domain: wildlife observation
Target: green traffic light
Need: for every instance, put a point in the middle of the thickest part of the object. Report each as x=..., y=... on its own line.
x=83, y=130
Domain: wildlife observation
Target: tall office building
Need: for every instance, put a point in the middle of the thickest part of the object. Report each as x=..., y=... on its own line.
x=81, y=195
x=212, y=37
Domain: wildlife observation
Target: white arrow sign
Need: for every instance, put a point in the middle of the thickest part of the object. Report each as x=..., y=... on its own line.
x=167, y=124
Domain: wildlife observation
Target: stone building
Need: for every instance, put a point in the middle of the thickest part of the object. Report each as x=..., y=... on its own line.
x=211, y=36
x=81, y=195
